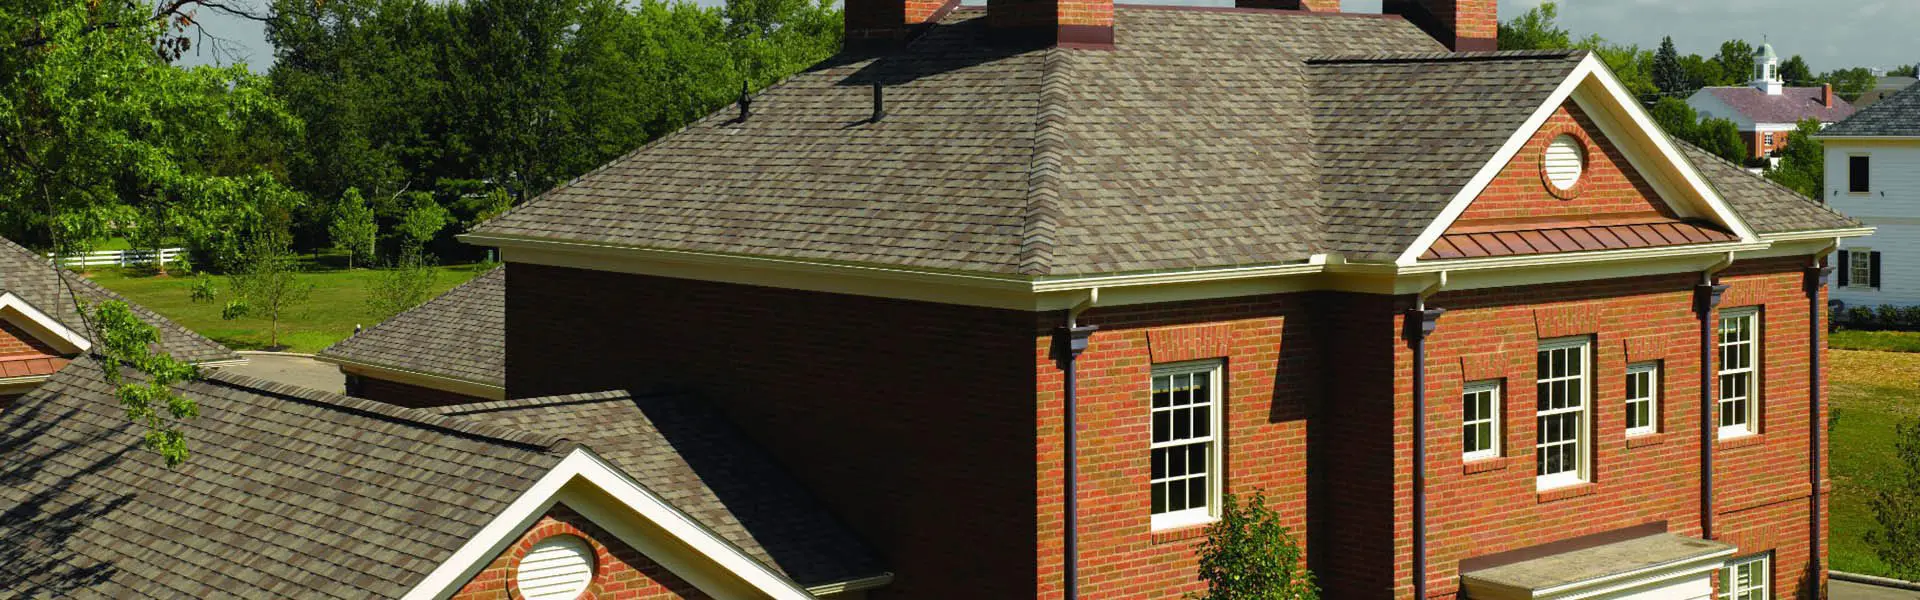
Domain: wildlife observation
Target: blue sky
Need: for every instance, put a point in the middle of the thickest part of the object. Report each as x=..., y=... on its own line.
x=1829, y=33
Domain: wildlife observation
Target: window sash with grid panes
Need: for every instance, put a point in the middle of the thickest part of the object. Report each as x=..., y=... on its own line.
x=1860, y=268
x=1739, y=349
x=1185, y=482
x=1643, y=403
x=1560, y=452
x=1480, y=425
x=1746, y=579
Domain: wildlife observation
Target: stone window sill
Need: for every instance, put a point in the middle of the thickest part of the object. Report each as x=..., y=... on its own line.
x=1484, y=465
x=1646, y=439
x=1745, y=441
x=1572, y=491
x=1180, y=534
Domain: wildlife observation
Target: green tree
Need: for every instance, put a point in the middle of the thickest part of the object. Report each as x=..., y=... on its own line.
x=1905, y=71
x=1795, y=71
x=1736, y=62
x=1249, y=555
x=420, y=224
x=1676, y=117
x=1722, y=138
x=94, y=121
x=401, y=286
x=1849, y=84
x=353, y=230
x=1668, y=75
x=1536, y=29
x=267, y=285
x=1803, y=161
x=1701, y=72
x=126, y=341
x=1896, y=508
x=1632, y=65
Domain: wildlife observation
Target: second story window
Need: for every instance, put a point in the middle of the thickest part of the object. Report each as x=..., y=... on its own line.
x=1859, y=174
x=1859, y=268
x=1739, y=349
x=1560, y=454
x=1480, y=426
x=1643, y=398
x=1186, y=444
x=1769, y=143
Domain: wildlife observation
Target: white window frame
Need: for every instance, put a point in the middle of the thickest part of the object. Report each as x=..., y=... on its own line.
x=1859, y=263
x=1759, y=582
x=1582, y=443
x=1215, y=371
x=1646, y=391
x=1750, y=372
x=1492, y=419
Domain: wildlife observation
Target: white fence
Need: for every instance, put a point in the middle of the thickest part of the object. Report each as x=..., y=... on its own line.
x=120, y=258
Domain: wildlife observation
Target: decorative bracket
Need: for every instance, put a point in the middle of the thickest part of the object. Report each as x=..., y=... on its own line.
x=1422, y=322
x=1069, y=342
x=1707, y=297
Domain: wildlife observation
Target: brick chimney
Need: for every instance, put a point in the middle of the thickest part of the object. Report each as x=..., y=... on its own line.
x=1306, y=5
x=1068, y=23
x=1463, y=25
x=1826, y=94
x=882, y=23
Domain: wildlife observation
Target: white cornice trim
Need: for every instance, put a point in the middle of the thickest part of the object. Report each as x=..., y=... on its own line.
x=72, y=341
x=445, y=383
x=1822, y=234
x=582, y=466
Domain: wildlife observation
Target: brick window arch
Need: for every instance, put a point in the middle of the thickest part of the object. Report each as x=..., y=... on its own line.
x=1588, y=150
x=548, y=528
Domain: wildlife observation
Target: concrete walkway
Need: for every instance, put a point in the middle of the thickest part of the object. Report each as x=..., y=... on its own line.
x=1847, y=590
x=296, y=369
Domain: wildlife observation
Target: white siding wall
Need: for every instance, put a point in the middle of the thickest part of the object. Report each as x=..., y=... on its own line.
x=1893, y=206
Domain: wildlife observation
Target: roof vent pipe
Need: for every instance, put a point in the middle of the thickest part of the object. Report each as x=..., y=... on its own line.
x=746, y=104
x=879, y=103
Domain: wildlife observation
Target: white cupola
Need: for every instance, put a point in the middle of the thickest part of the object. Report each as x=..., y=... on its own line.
x=1766, y=71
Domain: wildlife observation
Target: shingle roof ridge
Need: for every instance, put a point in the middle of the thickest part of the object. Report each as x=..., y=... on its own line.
x=463, y=287
x=381, y=410
x=526, y=403
x=1043, y=211
x=1414, y=57
x=1905, y=99
x=1769, y=182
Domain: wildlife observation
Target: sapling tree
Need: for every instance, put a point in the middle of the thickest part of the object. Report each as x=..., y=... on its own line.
x=125, y=340
x=353, y=229
x=266, y=285
x=1249, y=555
x=401, y=286
x=1897, y=508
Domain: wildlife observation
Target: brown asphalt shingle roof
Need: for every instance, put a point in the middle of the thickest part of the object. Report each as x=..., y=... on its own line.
x=460, y=334
x=1767, y=207
x=33, y=278
x=687, y=453
x=289, y=493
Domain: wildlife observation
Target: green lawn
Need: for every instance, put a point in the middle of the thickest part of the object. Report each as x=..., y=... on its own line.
x=1872, y=392
x=1886, y=341
x=337, y=304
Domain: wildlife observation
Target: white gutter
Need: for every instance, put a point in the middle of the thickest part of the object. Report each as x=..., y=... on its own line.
x=443, y=383
x=1795, y=236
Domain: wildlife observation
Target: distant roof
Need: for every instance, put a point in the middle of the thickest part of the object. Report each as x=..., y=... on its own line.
x=1768, y=207
x=1896, y=115
x=685, y=451
x=289, y=493
x=459, y=335
x=33, y=278
x=1794, y=104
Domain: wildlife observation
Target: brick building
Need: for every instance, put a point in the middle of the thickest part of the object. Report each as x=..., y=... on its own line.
x=1223, y=242
x=1767, y=109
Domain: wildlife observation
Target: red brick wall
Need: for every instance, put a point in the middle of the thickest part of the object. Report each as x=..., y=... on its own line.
x=913, y=421
x=1266, y=344
x=404, y=394
x=1609, y=186
x=15, y=340
x=1491, y=507
x=620, y=572
x=1050, y=13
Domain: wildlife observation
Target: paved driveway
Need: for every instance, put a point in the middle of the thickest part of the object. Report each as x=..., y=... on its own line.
x=293, y=369
x=1847, y=590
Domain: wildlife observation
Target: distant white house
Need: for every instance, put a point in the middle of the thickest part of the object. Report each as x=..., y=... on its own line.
x=1873, y=174
x=1767, y=109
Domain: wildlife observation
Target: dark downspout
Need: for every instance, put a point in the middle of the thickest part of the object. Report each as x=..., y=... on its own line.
x=1420, y=323
x=1068, y=343
x=1706, y=297
x=1816, y=279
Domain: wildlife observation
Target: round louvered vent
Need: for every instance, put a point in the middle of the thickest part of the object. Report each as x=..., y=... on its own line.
x=556, y=568
x=1566, y=159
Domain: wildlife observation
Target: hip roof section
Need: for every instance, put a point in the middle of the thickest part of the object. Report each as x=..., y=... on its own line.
x=1897, y=115
x=459, y=335
x=33, y=278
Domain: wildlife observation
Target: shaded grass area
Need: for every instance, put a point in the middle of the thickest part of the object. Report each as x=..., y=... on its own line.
x=338, y=303
x=1884, y=341
x=1872, y=392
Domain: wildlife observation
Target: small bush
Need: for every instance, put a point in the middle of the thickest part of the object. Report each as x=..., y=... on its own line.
x=1878, y=318
x=1248, y=555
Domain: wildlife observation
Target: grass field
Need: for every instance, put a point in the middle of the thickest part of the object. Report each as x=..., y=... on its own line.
x=338, y=303
x=1886, y=341
x=1872, y=392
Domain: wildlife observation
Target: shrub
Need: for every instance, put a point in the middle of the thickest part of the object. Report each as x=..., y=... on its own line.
x=1878, y=318
x=1248, y=555
x=1897, y=509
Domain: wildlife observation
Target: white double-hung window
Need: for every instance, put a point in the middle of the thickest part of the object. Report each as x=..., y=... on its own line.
x=1186, y=444
x=1480, y=423
x=1560, y=454
x=1739, y=375
x=1643, y=398
x=1746, y=578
